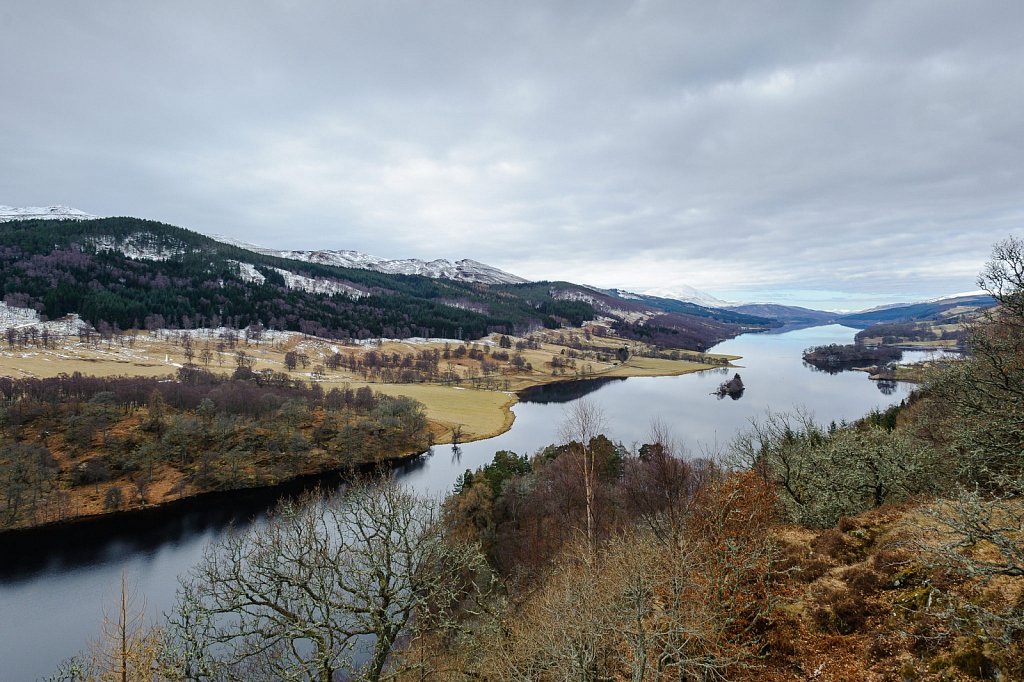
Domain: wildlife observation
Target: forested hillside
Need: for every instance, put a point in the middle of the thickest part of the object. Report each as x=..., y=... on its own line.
x=130, y=273
x=183, y=279
x=941, y=311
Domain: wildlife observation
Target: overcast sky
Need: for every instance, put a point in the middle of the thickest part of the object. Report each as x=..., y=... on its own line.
x=826, y=153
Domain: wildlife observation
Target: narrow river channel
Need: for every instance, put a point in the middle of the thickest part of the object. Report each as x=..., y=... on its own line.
x=53, y=594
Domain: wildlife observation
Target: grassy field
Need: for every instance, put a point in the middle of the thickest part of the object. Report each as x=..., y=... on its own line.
x=655, y=367
x=480, y=414
x=549, y=356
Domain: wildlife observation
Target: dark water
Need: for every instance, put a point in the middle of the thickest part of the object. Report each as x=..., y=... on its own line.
x=53, y=589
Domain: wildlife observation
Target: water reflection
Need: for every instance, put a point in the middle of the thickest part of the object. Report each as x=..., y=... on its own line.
x=887, y=386
x=26, y=554
x=565, y=391
x=834, y=369
x=733, y=388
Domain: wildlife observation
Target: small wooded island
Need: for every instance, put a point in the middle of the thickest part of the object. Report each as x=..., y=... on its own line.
x=838, y=357
x=733, y=388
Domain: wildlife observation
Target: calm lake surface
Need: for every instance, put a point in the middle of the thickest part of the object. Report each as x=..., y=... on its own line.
x=52, y=597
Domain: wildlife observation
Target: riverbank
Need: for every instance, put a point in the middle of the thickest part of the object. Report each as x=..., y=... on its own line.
x=27, y=549
x=480, y=414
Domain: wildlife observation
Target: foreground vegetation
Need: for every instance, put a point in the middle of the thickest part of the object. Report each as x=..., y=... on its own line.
x=888, y=549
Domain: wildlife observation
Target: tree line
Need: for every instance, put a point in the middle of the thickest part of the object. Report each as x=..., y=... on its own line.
x=836, y=357
x=70, y=439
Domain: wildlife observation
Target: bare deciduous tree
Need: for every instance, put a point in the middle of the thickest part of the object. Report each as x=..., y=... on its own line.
x=325, y=587
x=632, y=610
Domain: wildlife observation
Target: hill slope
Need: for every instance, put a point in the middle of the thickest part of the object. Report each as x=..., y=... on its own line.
x=128, y=272
x=933, y=311
x=43, y=212
x=133, y=272
x=785, y=314
x=685, y=307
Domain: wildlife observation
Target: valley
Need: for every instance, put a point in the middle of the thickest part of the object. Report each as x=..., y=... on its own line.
x=190, y=385
x=511, y=342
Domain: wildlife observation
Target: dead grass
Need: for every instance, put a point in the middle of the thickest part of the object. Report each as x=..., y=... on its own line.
x=855, y=605
x=481, y=414
x=651, y=367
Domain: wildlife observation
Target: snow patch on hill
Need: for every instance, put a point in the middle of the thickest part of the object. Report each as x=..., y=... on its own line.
x=600, y=301
x=318, y=285
x=249, y=273
x=43, y=213
x=141, y=246
x=16, y=317
x=25, y=318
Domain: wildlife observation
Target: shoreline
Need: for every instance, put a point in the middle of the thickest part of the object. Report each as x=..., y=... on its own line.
x=619, y=372
x=141, y=517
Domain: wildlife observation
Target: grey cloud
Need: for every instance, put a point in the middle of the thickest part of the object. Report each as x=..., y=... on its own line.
x=866, y=148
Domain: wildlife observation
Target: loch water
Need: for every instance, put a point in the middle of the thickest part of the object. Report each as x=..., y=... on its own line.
x=54, y=588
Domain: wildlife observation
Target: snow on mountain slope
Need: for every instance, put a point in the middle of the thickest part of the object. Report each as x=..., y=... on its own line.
x=465, y=270
x=684, y=292
x=318, y=285
x=43, y=212
x=314, y=285
x=141, y=246
x=604, y=303
x=249, y=273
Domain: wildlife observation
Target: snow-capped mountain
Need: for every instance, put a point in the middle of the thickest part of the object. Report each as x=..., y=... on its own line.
x=43, y=213
x=684, y=292
x=465, y=270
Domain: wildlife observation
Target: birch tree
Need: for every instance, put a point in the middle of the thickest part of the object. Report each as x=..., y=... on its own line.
x=583, y=421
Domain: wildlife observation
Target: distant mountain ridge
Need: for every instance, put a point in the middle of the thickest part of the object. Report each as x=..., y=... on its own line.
x=332, y=272
x=932, y=310
x=686, y=307
x=789, y=315
x=687, y=293
x=465, y=270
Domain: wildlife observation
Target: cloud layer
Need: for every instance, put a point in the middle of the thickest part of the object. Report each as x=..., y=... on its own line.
x=865, y=151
